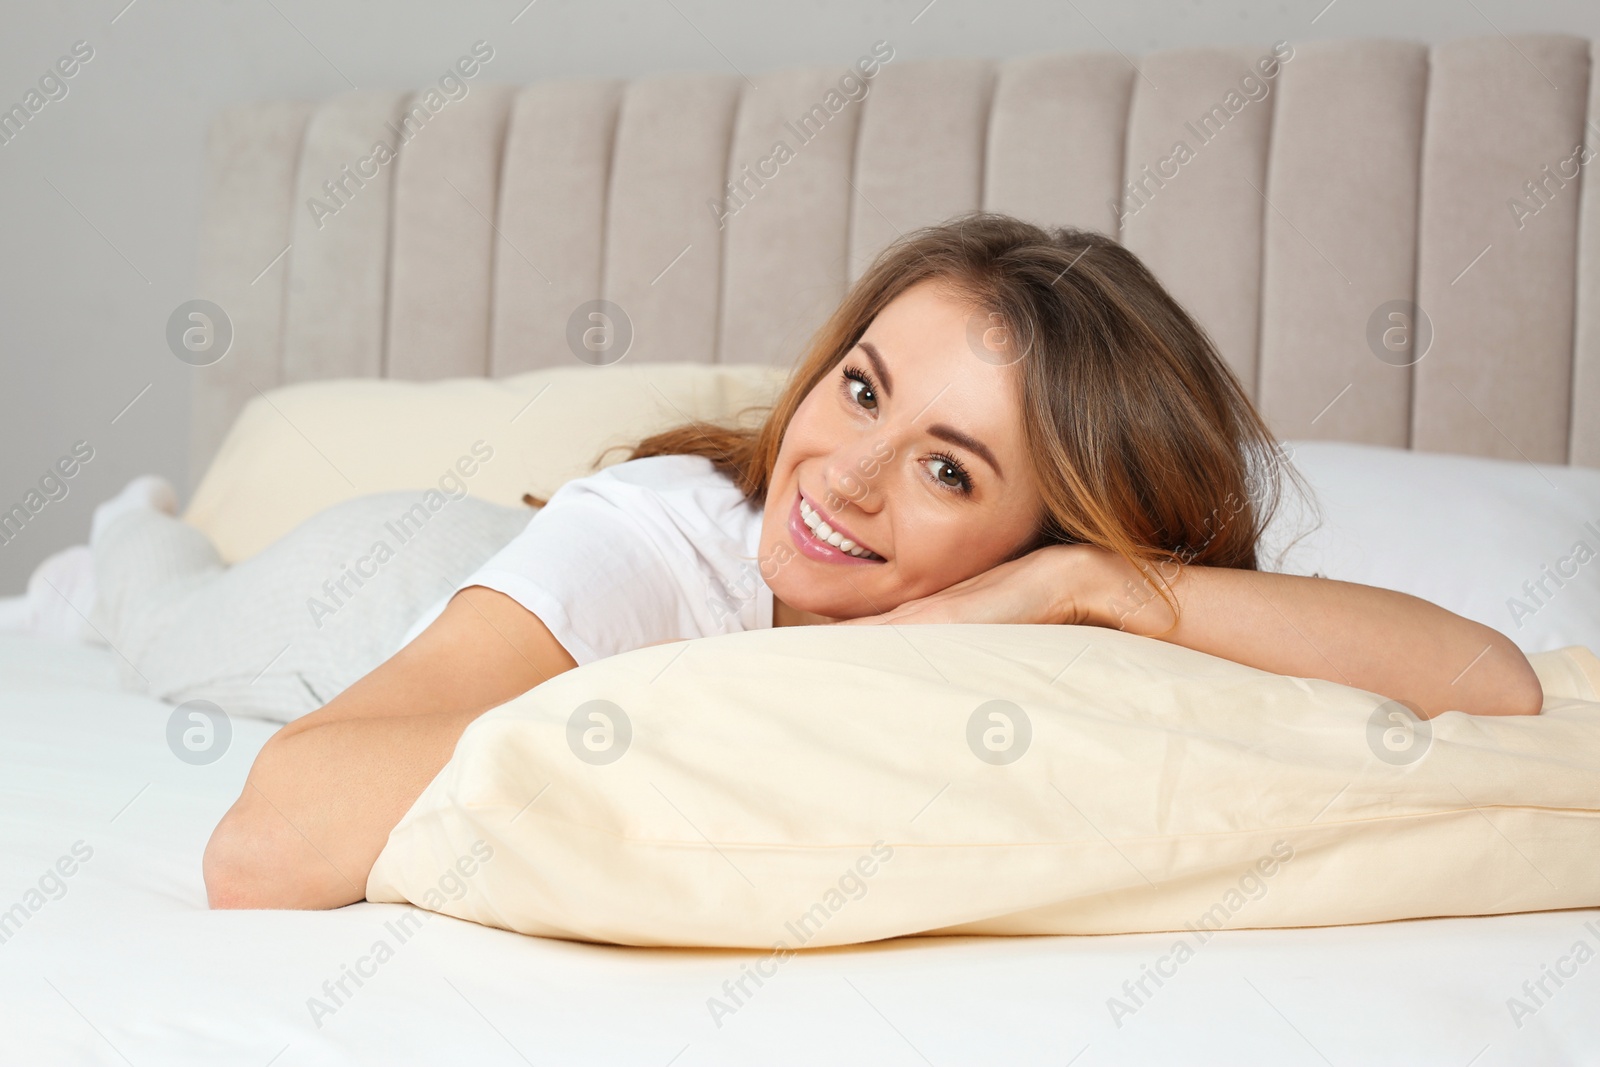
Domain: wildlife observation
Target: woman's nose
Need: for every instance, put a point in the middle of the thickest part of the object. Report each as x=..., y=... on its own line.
x=855, y=475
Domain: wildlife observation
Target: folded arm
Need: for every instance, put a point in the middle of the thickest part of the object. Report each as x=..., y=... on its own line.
x=325, y=790
x=1375, y=639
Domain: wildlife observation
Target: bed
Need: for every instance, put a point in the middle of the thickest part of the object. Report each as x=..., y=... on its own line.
x=1367, y=173
x=128, y=966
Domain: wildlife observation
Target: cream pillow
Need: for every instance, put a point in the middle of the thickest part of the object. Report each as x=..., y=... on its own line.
x=294, y=451
x=827, y=785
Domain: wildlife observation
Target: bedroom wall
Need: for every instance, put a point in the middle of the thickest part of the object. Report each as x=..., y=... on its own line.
x=100, y=190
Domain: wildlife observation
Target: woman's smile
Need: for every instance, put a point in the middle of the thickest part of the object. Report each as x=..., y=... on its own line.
x=813, y=533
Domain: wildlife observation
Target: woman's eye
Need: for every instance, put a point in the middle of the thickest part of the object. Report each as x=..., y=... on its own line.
x=941, y=467
x=860, y=388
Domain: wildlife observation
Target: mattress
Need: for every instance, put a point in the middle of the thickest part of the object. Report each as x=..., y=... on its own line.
x=120, y=962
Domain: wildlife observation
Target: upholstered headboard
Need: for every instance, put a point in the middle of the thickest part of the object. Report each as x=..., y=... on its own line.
x=1303, y=212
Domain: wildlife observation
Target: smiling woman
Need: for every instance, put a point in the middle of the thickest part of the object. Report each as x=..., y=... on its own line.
x=1002, y=423
x=999, y=424
x=986, y=389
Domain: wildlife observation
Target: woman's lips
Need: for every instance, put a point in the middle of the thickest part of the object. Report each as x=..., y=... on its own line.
x=813, y=546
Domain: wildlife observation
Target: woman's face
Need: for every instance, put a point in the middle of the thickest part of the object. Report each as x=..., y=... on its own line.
x=912, y=448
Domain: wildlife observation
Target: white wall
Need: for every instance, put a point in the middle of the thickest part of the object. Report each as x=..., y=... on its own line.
x=100, y=190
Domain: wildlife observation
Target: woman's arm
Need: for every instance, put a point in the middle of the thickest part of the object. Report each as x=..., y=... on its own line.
x=1386, y=642
x=325, y=791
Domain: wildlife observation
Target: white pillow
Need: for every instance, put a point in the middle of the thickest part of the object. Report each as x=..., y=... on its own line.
x=287, y=630
x=1476, y=536
x=301, y=448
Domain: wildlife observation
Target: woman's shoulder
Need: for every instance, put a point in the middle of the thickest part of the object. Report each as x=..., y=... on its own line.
x=685, y=485
x=665, y=472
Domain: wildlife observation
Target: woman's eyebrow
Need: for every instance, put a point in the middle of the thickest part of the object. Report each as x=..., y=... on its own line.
x=945, y=433
x=877, y=366
x=971, y=444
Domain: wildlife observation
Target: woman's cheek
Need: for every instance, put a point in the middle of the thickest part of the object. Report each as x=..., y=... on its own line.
x=949, y=553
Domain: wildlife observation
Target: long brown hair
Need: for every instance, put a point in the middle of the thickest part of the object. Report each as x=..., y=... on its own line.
x=1143, y=440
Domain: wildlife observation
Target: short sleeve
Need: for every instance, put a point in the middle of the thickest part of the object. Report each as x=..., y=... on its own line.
x=591, y=574
x=640, y=552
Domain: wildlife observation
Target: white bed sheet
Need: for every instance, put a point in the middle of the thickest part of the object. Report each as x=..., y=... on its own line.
x=129, y=967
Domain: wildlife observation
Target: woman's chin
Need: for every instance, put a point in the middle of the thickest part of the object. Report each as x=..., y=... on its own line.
x=801, y=600
x=849, y=605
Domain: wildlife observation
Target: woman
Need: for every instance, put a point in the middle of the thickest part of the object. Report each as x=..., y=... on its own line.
x=998, y=424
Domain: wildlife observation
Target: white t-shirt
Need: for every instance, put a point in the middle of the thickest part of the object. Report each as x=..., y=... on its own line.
x=641, y=551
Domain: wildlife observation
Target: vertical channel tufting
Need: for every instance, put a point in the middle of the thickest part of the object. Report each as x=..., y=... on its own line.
x=552, y=219
x=1056, y=140
x=616, y=190
x=785, y=211
x=1341, y=241
x=442, y=234
x=1497, y=282
x=919, y=158
x=252, y=151
x=1194, y=187
x=663, y=252
x=1586, y=349
x=338, y=267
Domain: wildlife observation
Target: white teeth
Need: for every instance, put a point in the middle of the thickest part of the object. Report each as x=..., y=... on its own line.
x=824, y=532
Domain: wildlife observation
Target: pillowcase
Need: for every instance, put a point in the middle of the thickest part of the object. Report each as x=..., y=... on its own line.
x=820, y=785
x=280, y=634
x=1510, y=544
x=295, y=450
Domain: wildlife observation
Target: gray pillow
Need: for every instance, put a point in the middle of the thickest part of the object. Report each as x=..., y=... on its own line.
x=285, y=631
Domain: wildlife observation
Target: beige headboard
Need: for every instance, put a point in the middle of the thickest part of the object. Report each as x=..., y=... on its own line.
x=1362, y=173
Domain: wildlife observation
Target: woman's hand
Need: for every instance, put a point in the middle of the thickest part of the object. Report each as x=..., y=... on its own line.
x=1049, y=585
